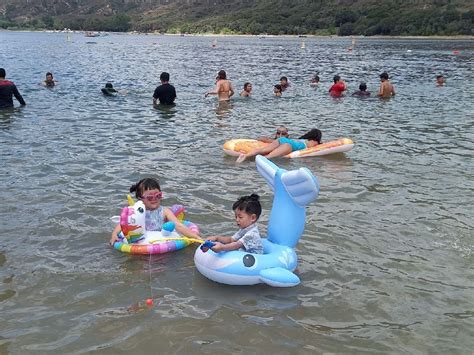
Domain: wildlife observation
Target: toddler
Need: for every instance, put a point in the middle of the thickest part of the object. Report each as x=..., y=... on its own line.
x=247, y=210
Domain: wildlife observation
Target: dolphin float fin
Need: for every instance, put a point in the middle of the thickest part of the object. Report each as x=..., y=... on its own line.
x=267, y=169
x=279, y=277
x=301, y=185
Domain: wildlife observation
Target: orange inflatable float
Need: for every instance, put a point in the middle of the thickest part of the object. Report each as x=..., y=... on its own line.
x=236, y=146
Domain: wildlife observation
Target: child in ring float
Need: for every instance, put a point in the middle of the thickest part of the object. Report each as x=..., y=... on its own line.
x=283, y=146
x=148, y=190
x=247, y=210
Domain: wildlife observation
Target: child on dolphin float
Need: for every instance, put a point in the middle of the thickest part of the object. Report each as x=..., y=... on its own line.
x=247, y=210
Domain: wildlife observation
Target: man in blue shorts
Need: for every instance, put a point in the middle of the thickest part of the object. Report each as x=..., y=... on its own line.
x=166, y=92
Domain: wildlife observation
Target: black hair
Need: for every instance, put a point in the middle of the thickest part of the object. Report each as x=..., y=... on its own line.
x=109, y=85
x=249, y=204
x=165, y=76
x=363, y=86
x=283, y=78
x=49, y=73
x=316, y=77
x=384, y=75
x=278, y=86
x=143, y=185
x=2, y=73
x=221, y=74
x=246, y=84
x=313, y=135
x=336, y=78
x=439, y=76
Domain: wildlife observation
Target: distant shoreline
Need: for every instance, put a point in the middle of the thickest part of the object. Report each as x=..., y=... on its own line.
x=460, y=37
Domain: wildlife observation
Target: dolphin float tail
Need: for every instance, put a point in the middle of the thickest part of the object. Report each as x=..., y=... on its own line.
x=293, y=191
x=301, y=185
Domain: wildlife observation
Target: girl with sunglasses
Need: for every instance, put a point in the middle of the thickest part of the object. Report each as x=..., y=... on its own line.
x=148, y=190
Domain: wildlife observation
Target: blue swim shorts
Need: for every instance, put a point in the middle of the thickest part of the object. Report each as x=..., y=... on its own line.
x=295, y=145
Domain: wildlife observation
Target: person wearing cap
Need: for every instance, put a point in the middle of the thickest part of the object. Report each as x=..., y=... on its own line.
x=165, y=93
x=224, y=89
x=109, y=90
x=283, y=146
x=7, y=91
x=386, y=89
x=281, y=131
x=362, y=91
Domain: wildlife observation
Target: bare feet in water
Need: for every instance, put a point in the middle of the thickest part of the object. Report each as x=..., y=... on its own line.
x=241, y=158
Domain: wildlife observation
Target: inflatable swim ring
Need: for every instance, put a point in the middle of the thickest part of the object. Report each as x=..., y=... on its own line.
x=293, y=191
x=236, y=146
x=136, y=240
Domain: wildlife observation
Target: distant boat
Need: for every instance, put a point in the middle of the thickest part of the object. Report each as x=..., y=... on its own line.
x=92, y=34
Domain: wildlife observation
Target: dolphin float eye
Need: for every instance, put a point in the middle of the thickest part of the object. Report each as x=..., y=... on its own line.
x=141, y=210
x=248, y=260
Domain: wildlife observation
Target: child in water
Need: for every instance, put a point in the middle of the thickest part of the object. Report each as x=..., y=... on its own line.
x=247, y=210
x=277, y=90
x=148, y=190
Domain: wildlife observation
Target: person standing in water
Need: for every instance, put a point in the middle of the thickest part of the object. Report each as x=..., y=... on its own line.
x=165, y=93
x=7, y=91
x=386, y=89
x=338, y=88
x=224, y=89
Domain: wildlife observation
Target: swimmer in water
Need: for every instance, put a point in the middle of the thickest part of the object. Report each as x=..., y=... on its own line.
x=277, y=90
x=440, y=80
x=314, y=80
x=284, y=83
x=362, y=91
x=386, y=89
x=224, y=89
x=109, y=90
x=247, y=91
x=49, y=81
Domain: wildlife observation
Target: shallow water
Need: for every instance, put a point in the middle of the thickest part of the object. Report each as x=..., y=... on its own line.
x=385, y=260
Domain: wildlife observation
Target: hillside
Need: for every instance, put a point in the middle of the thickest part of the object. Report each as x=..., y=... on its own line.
x=342, y=17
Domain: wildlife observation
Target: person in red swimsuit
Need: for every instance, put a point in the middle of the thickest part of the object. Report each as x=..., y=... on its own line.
x=339, y=86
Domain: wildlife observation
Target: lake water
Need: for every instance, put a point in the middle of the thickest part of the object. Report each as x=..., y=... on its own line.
x=386, y=260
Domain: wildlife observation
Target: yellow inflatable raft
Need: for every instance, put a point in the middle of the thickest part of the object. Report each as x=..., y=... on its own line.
x=236, y=146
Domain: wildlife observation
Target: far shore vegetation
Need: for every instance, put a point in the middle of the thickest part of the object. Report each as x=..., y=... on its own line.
x=272, y=17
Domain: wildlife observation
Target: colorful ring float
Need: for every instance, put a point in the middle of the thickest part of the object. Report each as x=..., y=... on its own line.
x=293, y=191
x=137, y=240
x=236, y=146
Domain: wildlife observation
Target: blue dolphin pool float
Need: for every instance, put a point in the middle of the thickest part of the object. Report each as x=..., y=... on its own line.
x=293, y=191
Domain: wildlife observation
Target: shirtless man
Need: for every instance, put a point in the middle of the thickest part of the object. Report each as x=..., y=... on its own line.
x=224, y=89
x=386, y=89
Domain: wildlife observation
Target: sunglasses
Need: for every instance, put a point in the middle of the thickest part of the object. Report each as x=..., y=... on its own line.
x=153, y=196
x=282, y=133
